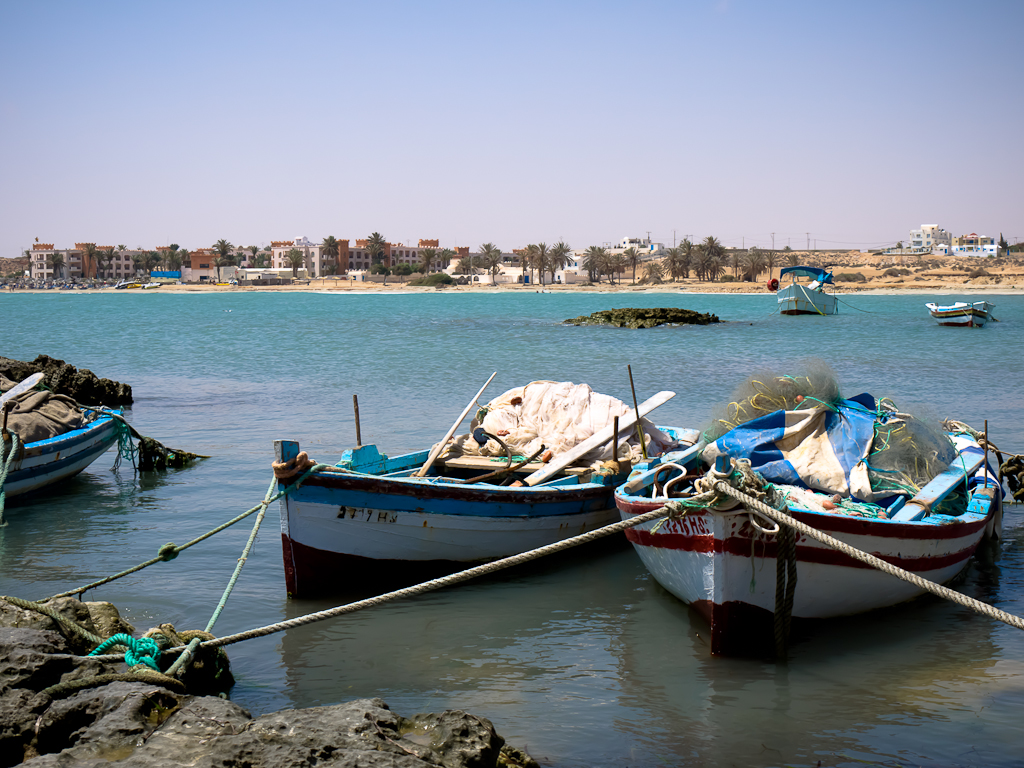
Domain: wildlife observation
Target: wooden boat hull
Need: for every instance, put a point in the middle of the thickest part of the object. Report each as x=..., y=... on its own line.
x=797, y=299
x=339, y=526
x=961, y=314
x=51, y=461
x=718, y=564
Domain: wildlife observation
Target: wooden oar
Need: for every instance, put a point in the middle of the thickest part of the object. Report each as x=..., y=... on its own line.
x=967, y=462
x=436, y=451
x=23, y=386
x=598, y=439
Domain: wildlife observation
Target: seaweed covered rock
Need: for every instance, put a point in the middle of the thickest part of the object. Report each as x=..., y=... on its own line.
x=64, y=379
x=632, y=317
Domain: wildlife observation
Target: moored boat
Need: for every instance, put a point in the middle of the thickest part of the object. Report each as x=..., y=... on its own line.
x=372, y=516
x=842, y=467
x=961, y=314
x=55, y=439
x=806, y=298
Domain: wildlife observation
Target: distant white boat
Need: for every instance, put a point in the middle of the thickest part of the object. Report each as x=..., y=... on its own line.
x=806, y=298
x=962, y=314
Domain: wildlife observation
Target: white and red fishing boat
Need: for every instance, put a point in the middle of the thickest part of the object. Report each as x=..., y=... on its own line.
x=962, y=314
x=722, y=560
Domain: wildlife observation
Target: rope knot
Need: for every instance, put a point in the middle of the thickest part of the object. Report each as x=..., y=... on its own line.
x=143, y=650
x=168, y=551
x=284, y=470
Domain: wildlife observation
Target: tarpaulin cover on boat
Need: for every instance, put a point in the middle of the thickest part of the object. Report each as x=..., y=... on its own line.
x=38, y=415
x=558, y=415
x=821, y=448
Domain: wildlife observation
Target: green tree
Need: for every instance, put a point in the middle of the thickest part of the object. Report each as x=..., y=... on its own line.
x=594, y=261
x=490, y=259
x=654, y=273
x=223, y=248
x=615, y=265
x=1004, y=247
x=539, y=259
x=332, y=249
x=675, y=262
x=754, y=264
x=295, y=260
x=254, y=250
x=381, y=269
x=711, y=255
x=104, y=259
x=446, y=255
x=465, y=266
x=88, y=257
x=173, y=260
x=558, y=258
x=375, y=246
x=403, y=270
x=632, y=257
x=427, y=258
x=56, y=260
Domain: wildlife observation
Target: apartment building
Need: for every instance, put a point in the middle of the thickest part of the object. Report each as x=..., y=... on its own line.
x=930, y=237
x=974, y=245
x=78, y=263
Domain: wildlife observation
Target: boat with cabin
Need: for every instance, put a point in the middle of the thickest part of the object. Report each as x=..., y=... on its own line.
x=805, y=294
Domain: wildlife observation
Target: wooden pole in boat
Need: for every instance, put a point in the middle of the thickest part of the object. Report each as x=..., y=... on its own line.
x=639, y=428
x=436, y=450
x=985, y=465
x=615, y=441
x=355, y=406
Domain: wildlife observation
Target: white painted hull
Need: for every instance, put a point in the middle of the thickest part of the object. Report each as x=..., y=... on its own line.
x=961, y=314
x=796, y=299
x=51, y=461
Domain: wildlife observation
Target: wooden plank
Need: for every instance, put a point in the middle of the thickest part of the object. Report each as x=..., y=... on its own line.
x=484, y=462
x=440, y=446
x=961, y=469
x=599, y=438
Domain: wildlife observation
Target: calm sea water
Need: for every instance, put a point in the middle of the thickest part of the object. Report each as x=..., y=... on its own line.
x=583, y=660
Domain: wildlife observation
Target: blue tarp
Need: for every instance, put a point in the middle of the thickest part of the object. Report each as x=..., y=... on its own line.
x=821, y=275
x=820, y=448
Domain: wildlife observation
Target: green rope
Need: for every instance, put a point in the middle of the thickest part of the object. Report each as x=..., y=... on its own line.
x=143, y=650
x=6, y=461
x=183, y=660
x=126, y=449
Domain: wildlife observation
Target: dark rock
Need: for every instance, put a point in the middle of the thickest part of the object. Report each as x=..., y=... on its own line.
x=63, y=379
x=73, y=610
x=133, y=723
x=644, y=318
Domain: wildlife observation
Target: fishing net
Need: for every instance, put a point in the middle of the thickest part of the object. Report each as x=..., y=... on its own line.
x=897, y=455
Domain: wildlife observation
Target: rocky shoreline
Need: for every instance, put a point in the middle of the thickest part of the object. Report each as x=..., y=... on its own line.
x=632, y=317
x=61, y=378
x=58, y=708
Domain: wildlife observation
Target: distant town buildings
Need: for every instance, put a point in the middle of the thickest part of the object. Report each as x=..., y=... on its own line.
x=931, y=238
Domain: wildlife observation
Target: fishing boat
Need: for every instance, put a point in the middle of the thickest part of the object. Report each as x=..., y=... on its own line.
x=829, y=466
x=437, y=510
x=962, y=314
x=48, y=460
x=805, y=298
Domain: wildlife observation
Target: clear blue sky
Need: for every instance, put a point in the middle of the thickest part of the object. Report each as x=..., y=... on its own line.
x=151, y=123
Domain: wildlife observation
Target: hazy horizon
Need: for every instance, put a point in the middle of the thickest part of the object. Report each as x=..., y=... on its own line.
x=843, y=124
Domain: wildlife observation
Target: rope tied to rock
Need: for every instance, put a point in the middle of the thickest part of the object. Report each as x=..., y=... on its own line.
x=142, y=650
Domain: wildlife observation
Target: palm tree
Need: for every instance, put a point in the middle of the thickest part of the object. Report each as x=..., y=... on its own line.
x=185, y=256
x=173, y=260
x=615, y=265
x=632, y=257
x=88, y=257
x=253, y=249
x=105, y=258
x=654, y=272
x=594, y=261
x=295, y=260
x=446, y=255
x=755, y=264
x=56, y=260
x=674, y=261
x=150, y=261
x=138, y=260
x=769, y=262
x=558, y=258
x=526, y=258
x=539, y=259
x=687, y=260
x=713, y=253
x=490, y=259
x=427, y=258
x=375, y=246
x=465, y=267
x=332, y=249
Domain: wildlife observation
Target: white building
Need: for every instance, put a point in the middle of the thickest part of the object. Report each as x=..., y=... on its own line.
x=931, y=238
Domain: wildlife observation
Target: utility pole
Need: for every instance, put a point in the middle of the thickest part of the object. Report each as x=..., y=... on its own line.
x=808, y=240
x=773, y=241
x=674, y=239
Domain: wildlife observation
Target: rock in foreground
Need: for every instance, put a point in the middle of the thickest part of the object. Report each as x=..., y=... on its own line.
x=142, y=724
x=644, y=318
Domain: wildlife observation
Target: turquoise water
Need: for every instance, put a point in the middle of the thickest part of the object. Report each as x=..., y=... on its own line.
x=583, y=660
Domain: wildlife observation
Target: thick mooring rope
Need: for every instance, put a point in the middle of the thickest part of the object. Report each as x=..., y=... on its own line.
x=7, y=456
x=671, y=508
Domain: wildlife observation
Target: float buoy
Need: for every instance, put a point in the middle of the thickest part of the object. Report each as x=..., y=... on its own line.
x=773, y=284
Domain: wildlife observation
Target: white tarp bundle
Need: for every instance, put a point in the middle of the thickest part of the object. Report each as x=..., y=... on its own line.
x=558, y=415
